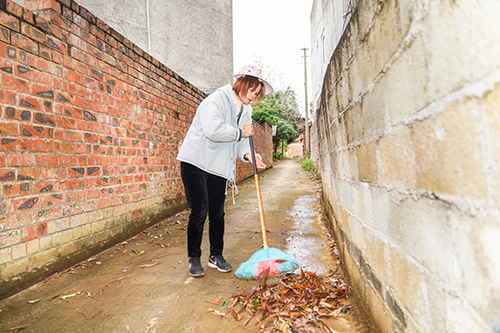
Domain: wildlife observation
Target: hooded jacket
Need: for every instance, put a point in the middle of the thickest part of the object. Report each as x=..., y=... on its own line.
x=213, y=141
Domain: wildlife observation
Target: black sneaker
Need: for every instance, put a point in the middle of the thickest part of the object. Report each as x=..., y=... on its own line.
x=195, y=268
x=220, y=263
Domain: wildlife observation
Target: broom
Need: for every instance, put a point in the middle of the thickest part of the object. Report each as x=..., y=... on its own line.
x=272, y=260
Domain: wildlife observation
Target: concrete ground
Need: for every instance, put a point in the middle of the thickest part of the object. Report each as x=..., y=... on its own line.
x=143, y=285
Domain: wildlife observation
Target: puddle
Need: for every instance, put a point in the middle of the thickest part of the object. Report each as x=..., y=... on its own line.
x=304, y=242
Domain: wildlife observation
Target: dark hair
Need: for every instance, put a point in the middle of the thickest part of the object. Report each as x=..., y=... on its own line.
x=243, y=83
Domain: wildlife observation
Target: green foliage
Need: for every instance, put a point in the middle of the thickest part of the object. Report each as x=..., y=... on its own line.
x=280, y=109
x=277, y=156
x=309, y=166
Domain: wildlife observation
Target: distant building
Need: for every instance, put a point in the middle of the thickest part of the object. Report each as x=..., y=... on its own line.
x=192, y=37
x=328, y=21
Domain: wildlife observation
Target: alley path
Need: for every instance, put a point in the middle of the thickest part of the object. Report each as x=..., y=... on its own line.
x=143, y=285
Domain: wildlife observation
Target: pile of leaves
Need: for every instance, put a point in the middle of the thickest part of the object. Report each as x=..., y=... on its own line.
x=296, y=303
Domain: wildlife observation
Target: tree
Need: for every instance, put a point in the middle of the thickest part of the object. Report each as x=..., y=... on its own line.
x=280, y=109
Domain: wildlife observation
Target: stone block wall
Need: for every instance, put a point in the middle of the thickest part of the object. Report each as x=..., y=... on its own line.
x=90, y=126
x=409, y=145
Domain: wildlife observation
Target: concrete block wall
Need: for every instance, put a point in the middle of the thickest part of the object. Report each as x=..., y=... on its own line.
x=409, y=145
x=90, y=126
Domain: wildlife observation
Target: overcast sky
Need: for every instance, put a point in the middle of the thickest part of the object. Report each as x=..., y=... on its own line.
x=273, y=32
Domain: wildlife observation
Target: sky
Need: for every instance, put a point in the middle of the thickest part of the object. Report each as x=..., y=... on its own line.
x=273, y=33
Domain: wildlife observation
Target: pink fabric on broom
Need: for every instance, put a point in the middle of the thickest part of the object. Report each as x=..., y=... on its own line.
x=263, y=265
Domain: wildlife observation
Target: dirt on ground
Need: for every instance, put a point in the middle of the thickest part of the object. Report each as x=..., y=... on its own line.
x=143, y=285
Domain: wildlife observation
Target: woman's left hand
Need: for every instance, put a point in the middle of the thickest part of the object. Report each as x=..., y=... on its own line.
x=258, y=160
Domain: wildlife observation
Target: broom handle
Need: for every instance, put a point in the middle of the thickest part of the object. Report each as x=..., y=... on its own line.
x=259, y=196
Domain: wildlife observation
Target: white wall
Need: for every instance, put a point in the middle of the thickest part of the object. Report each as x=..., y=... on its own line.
x=328, y=21
x=192, y=37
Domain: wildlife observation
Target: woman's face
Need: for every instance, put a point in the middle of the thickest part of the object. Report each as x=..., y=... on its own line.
x=251, y=94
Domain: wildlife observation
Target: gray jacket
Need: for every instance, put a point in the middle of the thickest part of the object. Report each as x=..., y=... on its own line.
x=211, y=142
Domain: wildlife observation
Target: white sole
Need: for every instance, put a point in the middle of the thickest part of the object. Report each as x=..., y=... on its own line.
x=220, y=270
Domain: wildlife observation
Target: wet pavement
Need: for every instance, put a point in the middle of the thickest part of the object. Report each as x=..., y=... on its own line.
x=143, y=285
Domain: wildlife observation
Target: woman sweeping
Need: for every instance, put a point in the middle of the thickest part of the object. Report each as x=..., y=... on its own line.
x=218, y=135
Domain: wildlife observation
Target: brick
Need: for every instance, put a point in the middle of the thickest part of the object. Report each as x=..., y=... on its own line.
x=77, y=233
x=24, y=43
x=32, y=33
x=492, y=101
x=34, y=231
x=35, y=5
x=46, y=243
x=57, y=45
x=14, y=83
x=447, y=153
x=397, y=160
x=13, y=159
x=407, y=286
x=384, y=36
x=43, y=258
x=57, y=239
x=15, y=269
x=9, y=237
x=406, y=83
x=367, y=163
x=33, y=246
x=449, y=74
x=5, y=255
x=67, y=249
x=9, y=21
x=55, y=173
x=67, y=236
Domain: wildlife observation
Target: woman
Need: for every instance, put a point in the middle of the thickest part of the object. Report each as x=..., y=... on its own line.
x=218, y=135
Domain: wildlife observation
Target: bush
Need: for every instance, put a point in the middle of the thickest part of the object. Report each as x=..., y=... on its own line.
x=277, y=156
x=309, y=166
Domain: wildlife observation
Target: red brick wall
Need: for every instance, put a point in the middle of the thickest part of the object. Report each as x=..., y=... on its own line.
x=263, y=145
x=295, y=150
x=89, y=130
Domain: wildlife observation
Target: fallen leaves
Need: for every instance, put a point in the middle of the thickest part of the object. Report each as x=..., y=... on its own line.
x=215, y=312
x=70, y=295
x=296, y=303
x=18, y=328
x=150, y=265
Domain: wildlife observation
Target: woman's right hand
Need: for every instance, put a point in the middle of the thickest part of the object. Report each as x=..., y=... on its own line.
x=247, y=130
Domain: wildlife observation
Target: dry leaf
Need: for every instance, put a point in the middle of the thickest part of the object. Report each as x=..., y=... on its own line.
x=121, y=278
x=127, y=328
x=17, y=328
x=212, y=302
x=68, y=296
x=101, y=292
x=149, y=265
x=215, y=312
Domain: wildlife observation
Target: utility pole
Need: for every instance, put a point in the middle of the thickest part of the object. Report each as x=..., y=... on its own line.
x=308, y=152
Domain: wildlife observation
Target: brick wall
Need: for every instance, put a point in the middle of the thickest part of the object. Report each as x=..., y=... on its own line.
x=263, y=145
x=295, y=150
x=89, y=130
x=409, y=143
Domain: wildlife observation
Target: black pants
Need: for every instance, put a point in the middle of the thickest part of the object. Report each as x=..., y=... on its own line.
x=205, y=194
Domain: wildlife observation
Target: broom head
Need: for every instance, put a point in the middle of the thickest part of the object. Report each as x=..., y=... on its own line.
x=274, y=260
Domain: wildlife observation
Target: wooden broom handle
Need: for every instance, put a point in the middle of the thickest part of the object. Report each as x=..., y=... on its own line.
x=259, y=196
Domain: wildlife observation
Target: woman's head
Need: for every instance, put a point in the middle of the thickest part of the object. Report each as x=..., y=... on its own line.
x=250, y=85
x=249, y=88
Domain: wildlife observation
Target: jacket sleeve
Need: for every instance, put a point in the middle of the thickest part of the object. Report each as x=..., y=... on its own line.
x=243, y=146
x=211, y=113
